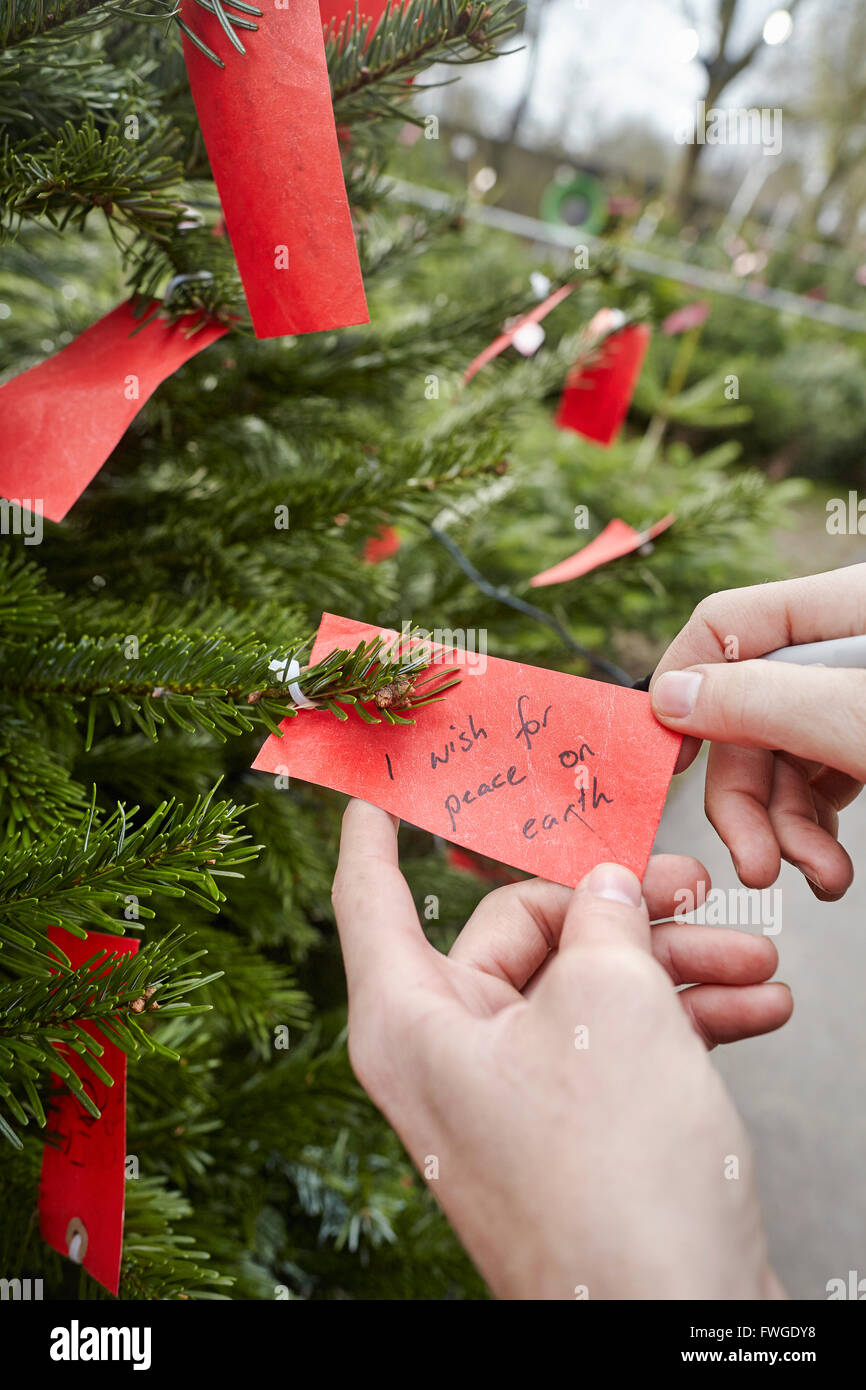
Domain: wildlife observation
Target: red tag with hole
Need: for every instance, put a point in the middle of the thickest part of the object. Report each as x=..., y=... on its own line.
x=544, y=771
x=61, y=419
x=82, y=1184
x=268, y=124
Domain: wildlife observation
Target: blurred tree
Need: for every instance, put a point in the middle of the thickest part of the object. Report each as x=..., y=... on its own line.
x=831, y=106
x=721, y=68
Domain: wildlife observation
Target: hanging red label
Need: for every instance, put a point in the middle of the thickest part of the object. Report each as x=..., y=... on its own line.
x=597, y=395
x=268, y=125
x=61, y=420
x=537, y=769
x=82, y=1185
x=505, y=339
x=617, y=539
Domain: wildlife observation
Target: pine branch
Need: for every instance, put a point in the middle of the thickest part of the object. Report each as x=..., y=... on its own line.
x=41, y=1021
x=82, y=878
x=27, y=604
x=83, y=169
x=210, y=683
x=160, y=1261
x=37, y=794
x=24, y=20
x=21, y=20
x=371, y=67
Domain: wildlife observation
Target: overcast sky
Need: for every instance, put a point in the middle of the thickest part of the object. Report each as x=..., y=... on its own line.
x=605, y=61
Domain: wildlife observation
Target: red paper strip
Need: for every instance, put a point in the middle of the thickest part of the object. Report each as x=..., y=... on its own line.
x=688, y=317
x=335, y=11
x=60, y=420
x=537, y=769
x=597, y=396
x=382, y=546
x=479, y=867
x=617, y=539
x=505, y=339
x=82, y=1184
x=268, y=125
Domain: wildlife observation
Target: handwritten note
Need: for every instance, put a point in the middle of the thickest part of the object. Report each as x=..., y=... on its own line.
x=534, y=768
x=82, y=1185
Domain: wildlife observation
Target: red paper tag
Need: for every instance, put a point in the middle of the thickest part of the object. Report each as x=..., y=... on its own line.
x=617, y=539
x=334, y=12
x=596, y=397
x=60, y=420
x=268, y=125
x=82, y=1185
x=544, y=771
x=505, y=339
x=382, y=546
x=475, y=864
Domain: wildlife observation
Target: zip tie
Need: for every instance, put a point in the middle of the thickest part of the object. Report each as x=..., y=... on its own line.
x=287, y=671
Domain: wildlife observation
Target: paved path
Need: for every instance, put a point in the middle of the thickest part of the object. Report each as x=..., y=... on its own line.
x=802, y=1091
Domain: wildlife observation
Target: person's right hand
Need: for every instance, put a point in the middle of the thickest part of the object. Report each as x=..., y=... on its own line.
x=788, y=742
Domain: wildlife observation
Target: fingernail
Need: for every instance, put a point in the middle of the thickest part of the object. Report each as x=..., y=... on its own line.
x=614, y=882
x=674, y=694
x=810, y=874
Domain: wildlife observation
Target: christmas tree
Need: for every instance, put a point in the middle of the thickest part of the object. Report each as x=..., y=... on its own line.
x=145, y=640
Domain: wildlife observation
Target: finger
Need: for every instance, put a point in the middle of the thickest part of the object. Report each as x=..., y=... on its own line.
x=837, y=789
x=811, y=711
x=606, y=909
x=692, y=954
x=513, y=930
x=803, y=840
x=670, y=881
x=381, y=938
x=726, y=1013
x=737, y=796
x=689, y=750
x=743, y=623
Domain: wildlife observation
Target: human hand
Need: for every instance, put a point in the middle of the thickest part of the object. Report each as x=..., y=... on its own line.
x=550, y=1082
x=788, y=743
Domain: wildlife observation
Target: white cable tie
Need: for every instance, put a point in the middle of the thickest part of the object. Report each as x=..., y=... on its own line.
x=299, y=699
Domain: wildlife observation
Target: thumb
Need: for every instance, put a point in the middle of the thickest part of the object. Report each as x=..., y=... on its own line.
x=814, y=712
x=606, y=909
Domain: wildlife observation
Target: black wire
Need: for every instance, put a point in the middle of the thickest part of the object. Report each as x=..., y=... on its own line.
x=502, y=595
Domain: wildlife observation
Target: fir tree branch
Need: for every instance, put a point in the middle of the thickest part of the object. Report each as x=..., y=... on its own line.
x=212, y=683
x=27, y=604
x=24, y=20
x=371, y=66
x=86, y=168
x=160, y=1261
x=83, y=877
x=41, y=1021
